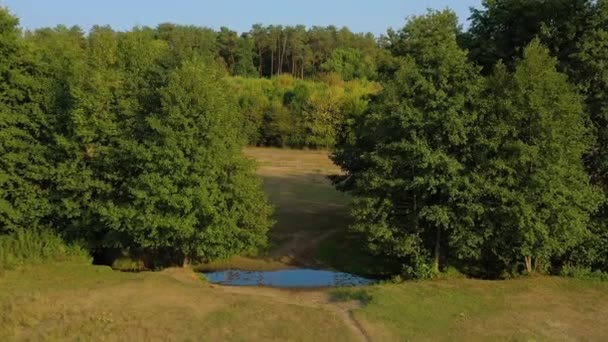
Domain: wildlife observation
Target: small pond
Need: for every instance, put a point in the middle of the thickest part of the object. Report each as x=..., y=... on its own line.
x=295, y=278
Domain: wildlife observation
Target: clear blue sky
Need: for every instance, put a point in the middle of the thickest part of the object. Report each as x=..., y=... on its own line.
x=374, y=16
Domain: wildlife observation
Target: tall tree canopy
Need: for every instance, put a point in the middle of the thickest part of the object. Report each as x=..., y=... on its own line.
x=447, y=170
x=191, y=192
x=24, y=167
x=483, y=149
x=537, y=196
x=503, y=28
x=126, y=140
x=575, y=33
x=405, y=160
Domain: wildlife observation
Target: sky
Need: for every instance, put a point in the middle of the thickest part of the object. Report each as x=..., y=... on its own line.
x=374, y=16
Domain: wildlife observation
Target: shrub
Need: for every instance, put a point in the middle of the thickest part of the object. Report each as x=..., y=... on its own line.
x=127, y=264
x=34, y=245
x=419, y=268
x=451, y=272
x=584, y=273
x=345, y=295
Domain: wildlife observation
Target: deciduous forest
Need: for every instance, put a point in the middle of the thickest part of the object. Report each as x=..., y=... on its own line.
x=482, y=149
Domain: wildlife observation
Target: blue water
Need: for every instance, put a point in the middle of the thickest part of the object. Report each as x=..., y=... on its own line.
x=295, y=278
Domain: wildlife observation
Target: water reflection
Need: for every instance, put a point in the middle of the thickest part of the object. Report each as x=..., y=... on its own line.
x=286, y=278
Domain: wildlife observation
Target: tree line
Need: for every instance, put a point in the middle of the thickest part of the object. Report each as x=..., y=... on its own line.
x=288, y=112
x=266, y=51
x=482, y=149
x=486, y=149
x=124, y=142
x=299, y=108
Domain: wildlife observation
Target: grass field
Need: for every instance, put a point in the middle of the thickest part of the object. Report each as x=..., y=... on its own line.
x=77, y=301
x=308, y=210
x=82, y=302
x=526, y=309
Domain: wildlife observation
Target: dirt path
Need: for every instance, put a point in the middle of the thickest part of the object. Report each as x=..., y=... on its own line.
x=308, y=298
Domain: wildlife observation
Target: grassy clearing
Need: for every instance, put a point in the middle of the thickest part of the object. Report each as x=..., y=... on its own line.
x=308, y=210
x=312, y=216
x=527, y=309
x=71, y=301
x=297, y=185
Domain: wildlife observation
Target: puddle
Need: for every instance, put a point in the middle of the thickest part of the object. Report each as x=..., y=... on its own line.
x=295, y=278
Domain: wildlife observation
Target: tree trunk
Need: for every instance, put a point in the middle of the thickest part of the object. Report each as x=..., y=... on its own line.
x=186, y=261
x=528, y=261
x=260, y=62
x=283, y=53
x=437, y=249
x=271, y=63
x=279, y=56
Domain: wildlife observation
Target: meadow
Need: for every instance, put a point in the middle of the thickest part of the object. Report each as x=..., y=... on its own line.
x=308, y=211
x=74, y=300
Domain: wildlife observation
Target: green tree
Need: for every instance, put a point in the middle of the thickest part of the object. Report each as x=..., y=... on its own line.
x=227, y=43
x=324, y=114
x=59, y=54
x=244, y=57
x=574, y=32
x=24, y=165
x=193, y=195
x=502, y=29
x=350, y=64
x=86, y=141
x=187, y=42
x=591, y=76
x=405, y=160
x=537, y=197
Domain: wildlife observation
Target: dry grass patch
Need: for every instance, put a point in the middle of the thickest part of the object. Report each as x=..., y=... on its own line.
x=277, y=162
x=82, y=302
x=308, y=210
x=536, y=308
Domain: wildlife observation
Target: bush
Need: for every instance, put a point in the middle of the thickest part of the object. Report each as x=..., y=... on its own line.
x=451, y=272
x=584, y=273
x=345, y=295
x=419, y=269
x=32, y=246
x=127, y=264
